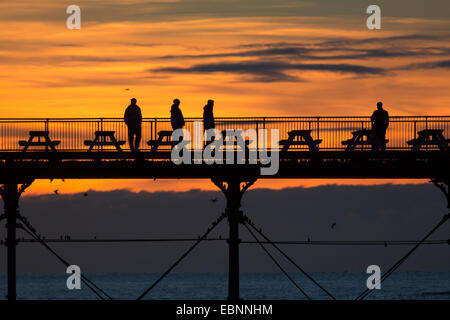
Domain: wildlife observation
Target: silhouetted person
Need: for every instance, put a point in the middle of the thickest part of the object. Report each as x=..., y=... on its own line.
x=176, y=116
x=380, y=122
x=133, y=119
x=208, y=116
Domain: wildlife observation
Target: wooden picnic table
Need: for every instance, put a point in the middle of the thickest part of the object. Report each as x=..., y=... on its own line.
x=300, y=138
x=46, y=142
x=164, y=139
x=104, y=138
x=227, y=134
x=363, y=137
x=235, y=145
x=430, y=137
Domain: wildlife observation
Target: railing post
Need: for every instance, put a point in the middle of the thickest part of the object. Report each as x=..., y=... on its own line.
x=415, y=129
x=46, y=129
x=103, y=137
x=318, y=128
x=257, y=135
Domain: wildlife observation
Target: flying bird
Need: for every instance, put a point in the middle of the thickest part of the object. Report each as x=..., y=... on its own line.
x=56, y=192
x=127, y=89
x=333, y=225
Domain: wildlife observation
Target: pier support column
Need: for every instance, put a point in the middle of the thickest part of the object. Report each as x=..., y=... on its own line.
x=233, y=193
x=11, y=192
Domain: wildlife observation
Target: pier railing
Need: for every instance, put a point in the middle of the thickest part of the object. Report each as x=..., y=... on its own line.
x=72, y=132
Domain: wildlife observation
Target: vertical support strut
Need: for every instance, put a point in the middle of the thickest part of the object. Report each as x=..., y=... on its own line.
x=234, y=218
x=11, y=193
x=233, y=194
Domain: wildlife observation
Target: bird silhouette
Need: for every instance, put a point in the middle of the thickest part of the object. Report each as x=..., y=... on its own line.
x=214, y=199
x=127, y=89
x=333, y=225
x=56, y=192
x=85, y=194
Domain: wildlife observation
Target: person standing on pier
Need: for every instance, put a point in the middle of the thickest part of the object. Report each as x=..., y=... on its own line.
x=176, y=116
x=208, y=116
x=380, y=123
x=208, y=119
x=133, y=119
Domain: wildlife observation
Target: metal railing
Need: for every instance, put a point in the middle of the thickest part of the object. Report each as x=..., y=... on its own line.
x=72, y=132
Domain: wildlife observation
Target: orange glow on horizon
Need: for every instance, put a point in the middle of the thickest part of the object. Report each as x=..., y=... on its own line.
x=50, y=71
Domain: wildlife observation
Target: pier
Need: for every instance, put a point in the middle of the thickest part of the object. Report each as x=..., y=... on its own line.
x=308, y=148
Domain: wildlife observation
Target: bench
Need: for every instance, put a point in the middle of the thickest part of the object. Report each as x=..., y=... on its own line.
x=430, y=137
x=358, y=140
x=47, y=142
x=300, y=138
x=104, y=138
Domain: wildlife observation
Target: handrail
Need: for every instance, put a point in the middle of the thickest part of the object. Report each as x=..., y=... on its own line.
x=331, y=130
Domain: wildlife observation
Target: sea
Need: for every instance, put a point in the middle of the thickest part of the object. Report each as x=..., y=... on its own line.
x=253, y=286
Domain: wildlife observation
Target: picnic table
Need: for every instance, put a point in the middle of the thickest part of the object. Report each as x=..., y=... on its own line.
x=104, y=138
x=430, y=137
x=230, y=134
x=43, y=141
x=364, y=137
x=227, y=135
x=300, y=138
x=164, y=139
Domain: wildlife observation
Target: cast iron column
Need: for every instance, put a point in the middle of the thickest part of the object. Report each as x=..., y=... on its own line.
x=231, y=187
x=11, y=206
x=234, y=218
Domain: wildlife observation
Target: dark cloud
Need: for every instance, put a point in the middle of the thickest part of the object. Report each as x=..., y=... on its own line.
x=387, y=212
x=407, y=37
x=280, y=58
x=443, y=64
x=292, y=56
x=345, y=42
x=317, y=54
x=269, y=70
x=279, y=51
x=144, y=11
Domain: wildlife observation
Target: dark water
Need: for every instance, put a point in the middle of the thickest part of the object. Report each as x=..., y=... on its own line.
x=346, y=285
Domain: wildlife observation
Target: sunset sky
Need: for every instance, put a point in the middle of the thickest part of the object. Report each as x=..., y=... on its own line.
x=253, y=57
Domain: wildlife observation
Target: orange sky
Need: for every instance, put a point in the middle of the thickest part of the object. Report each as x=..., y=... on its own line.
x=271, y=63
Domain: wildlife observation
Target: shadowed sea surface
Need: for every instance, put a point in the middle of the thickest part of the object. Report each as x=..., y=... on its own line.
x=254, y=286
